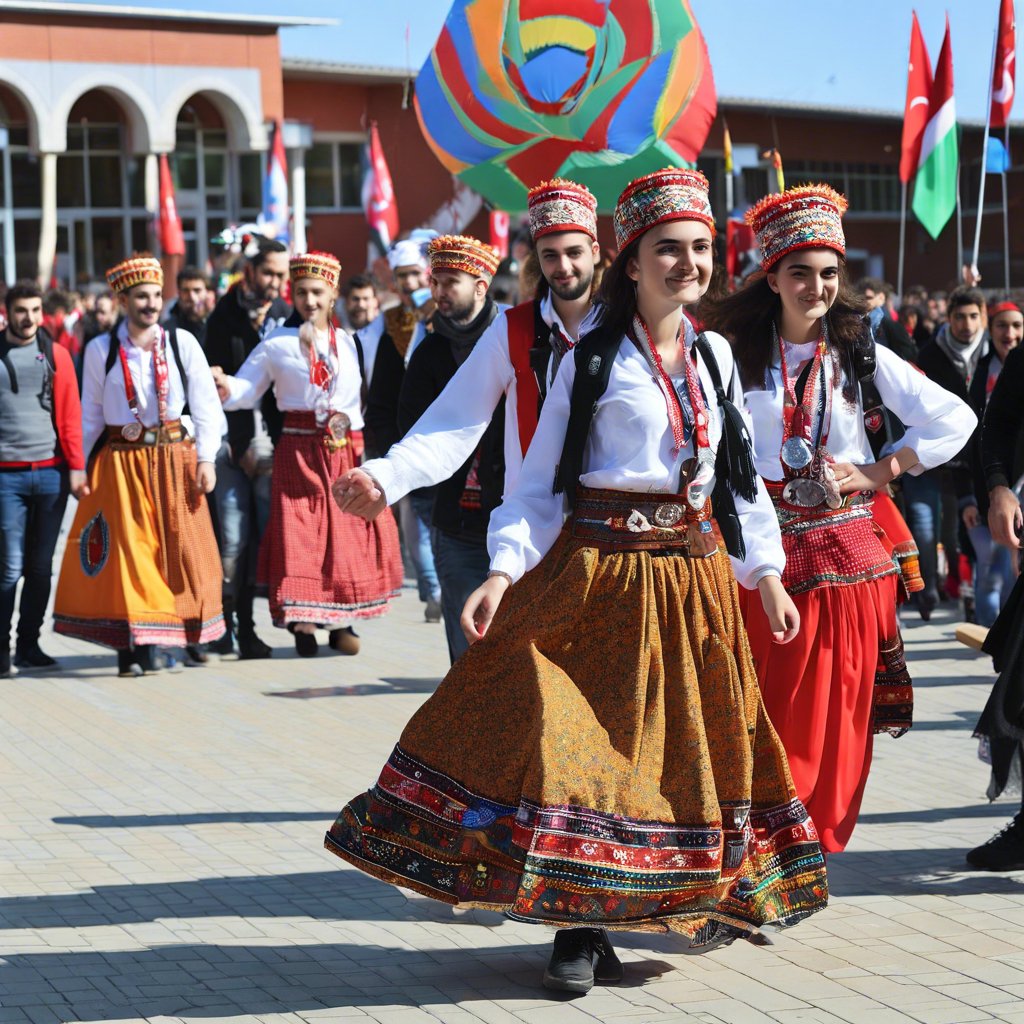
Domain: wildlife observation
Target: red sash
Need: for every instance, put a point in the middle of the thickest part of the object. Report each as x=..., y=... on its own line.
x=522, y=338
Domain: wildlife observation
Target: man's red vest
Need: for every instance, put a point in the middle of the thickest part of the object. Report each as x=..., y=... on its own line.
x=522, y=336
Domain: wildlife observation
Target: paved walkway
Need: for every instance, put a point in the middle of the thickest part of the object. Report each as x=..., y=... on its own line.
x=160, y=858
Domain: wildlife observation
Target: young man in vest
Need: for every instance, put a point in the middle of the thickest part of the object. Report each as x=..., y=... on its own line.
x=246, y=314
x=517, y=358
x=388, y=343
x=461, y=270
x=41, y=459
x=141, y=567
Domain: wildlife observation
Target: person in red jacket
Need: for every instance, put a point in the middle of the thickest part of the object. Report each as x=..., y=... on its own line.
x=41, y=460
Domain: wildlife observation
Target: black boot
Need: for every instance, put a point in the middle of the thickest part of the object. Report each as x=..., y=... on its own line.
x=251, y=647
x=225, y=645
x=30, y=656
x=6, y=672
x=127, y=666
x=1004, y=851
x=574, y=955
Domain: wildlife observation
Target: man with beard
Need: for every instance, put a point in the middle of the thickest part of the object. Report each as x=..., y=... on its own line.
x=191, y=310
x=141, y=567
x=41, y=459
x=359, y=306
x=243, y=317
x=516, y=360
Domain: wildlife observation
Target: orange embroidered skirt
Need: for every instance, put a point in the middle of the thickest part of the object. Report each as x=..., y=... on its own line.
x=141, y=564
x=602, y=755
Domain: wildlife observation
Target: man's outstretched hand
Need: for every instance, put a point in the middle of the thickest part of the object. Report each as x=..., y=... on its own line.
x=357, y=493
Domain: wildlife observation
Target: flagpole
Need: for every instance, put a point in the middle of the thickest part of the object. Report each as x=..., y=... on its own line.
x=959, y=223
x=1006, y=208
x=903, y=238
x=984, y=153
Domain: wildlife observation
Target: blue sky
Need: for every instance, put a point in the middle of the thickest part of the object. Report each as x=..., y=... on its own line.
x=841, y=53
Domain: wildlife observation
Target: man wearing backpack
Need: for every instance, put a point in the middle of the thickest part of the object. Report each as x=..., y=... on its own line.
x=141, y=568
x=41, y=459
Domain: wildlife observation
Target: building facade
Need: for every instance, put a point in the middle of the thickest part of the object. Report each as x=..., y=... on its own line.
x=92, y=94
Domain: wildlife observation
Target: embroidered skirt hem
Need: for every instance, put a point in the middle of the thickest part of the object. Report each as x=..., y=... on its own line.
x=602, y=756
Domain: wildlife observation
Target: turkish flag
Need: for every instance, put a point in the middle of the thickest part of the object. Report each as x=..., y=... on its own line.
x=915, y=113
x=379, y=194
x=499, y=231
x=1003, y=69
x=739, y=241
x=172, y=239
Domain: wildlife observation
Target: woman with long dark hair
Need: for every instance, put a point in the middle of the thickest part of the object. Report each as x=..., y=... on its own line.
x=796, y=329
x=600, y=757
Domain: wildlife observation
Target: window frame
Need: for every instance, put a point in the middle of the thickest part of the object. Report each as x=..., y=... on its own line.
x=334, y=140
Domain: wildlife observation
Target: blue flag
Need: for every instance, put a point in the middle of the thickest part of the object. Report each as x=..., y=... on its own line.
x=997, y=159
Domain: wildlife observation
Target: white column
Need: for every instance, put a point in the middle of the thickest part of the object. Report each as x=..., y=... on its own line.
x=10, y=269
x=297, y=164
x=151, y=181
x=48, y=220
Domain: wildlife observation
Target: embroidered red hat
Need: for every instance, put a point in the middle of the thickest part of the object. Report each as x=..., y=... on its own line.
x=805, y=217
x=324, y=265
x=561, y=205
x=461, y=252
x=672, y=194
x=142, y=268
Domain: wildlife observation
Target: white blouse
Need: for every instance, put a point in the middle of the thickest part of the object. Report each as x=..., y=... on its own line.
x=938, y=423
x=280, y=360
x=105, y=401
x=448, y=433
x=630, y=448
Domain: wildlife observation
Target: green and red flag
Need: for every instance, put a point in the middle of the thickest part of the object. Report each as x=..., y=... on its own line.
x=935, y=185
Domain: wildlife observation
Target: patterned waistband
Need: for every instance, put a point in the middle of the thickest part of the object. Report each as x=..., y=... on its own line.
x=854, y=506
x=168, y=433
x=335, y=433
x=634, y=521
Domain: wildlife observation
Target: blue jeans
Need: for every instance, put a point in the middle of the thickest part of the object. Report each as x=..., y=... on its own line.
x=931, y=519
x=32, y=503
x=414, y=512
x=462, y=565
x=243, y=510
x=993, y=574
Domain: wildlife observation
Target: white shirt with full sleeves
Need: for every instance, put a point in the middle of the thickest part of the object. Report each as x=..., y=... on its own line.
x=105, y=400
x=280, y=360
x=938, y=423
x=630, y=448
x=448, y=433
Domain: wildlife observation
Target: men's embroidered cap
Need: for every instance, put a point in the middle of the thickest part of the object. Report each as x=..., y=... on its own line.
x=561, y=205
x=460, y=252
x=138, y=269
x=409, y=252
x=323, y=265
x=671, y=194
x=805, y=217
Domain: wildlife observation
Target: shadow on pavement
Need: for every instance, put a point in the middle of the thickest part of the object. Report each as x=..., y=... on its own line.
x=909, y=872
x=335, y=895
x=1000, y=809
x=208, y=980
x=213, y=818
x=387, y=685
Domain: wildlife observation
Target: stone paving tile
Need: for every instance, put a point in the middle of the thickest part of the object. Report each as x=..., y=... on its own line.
x=161, y=860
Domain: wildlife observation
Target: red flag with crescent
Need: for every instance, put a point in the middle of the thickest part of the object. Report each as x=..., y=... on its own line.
x=1003, y=72
x=915, y=113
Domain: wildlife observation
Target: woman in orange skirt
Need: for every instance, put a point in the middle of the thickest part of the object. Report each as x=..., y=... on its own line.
x=600, y=758
x=322, y=568
x=794, y=330
x=141, y=566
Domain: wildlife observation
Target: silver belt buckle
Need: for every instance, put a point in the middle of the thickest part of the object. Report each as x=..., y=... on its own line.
x=668, y=514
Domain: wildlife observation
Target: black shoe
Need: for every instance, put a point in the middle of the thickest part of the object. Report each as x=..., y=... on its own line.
x=149, y=658
x=927, y=601
x=33, y=657
x=223, y=646
x=1004, y=851
x=306, y=645
x=127, y=666
x=6, y=672
x=573, y=958
x=344, y=641
x=196, y=654
x=252, y=648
